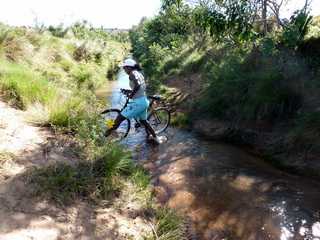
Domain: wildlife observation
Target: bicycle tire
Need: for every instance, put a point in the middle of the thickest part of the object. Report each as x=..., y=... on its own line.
x=124, y=127
x=159, y=119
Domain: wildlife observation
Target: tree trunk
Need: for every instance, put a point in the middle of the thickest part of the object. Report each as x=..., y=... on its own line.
x=264, y=17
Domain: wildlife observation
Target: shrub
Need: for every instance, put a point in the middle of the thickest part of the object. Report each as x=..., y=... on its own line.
x=83, y=76
x=58, y=31
x=295, y=32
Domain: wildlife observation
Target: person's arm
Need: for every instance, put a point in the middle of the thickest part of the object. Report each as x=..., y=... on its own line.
x=136, y=85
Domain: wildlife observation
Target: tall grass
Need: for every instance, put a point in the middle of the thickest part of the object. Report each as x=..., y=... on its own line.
x=253, y=86
x=93, y=180
x=168, y=225
x=23, y=86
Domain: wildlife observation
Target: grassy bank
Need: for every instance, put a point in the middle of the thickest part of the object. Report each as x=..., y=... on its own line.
x=266, y=84
x=52, y=74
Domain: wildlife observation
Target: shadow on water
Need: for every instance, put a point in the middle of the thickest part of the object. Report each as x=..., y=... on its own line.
x=227, y=193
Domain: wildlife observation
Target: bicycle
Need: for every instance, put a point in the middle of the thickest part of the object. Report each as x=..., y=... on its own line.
x=158, y=117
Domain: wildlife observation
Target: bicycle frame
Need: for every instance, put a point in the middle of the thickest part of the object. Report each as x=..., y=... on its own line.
x=150, y=108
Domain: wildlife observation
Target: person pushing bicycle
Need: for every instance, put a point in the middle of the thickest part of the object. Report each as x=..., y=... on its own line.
x=138, y=106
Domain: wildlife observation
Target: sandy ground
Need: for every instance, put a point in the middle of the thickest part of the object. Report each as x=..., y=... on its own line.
x=22, y=217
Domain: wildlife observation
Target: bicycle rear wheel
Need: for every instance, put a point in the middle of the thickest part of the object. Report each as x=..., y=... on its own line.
x=109, y=116
x=159, y=119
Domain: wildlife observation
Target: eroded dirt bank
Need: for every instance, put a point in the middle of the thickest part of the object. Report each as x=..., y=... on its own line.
x=282, y=143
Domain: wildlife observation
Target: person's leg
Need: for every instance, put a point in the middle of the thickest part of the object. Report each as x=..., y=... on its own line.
x=148, y=128
x=147, y=133
x=116, y=124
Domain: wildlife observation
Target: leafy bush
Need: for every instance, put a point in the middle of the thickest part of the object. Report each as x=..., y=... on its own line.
x=58, y=31
x=295, y=32
x=83, y=76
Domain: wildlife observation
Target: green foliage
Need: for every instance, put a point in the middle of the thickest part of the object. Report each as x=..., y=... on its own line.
x=85, y=31
x=169, y=225
x=295, y=32
x=52, y=75
x=48, y=80
x=140, y=178
x=180, y=119
x=82, y=75
x=157, y=39
x=23, y=86
x=252, y=88
x=66, y=65
x=68, y=112
x=3, y=33
x=58, y=31
x=167, y=4
x=230, y=19
x=94, y=180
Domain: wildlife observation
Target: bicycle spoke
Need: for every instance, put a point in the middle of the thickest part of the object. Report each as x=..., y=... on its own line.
x=159, y=119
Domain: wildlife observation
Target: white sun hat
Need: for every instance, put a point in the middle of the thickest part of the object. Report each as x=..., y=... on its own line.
x=129, y=63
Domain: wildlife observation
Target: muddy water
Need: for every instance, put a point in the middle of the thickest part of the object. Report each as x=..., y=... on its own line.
x=225, y=192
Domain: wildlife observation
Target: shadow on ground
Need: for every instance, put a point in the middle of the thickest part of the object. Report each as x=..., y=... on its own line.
x=229, y=194
x=26, y=216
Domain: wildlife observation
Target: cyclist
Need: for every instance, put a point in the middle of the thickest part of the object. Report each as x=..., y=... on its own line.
x=139, y=103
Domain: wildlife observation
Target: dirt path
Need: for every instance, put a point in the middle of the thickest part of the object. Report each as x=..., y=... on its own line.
x=23, y=217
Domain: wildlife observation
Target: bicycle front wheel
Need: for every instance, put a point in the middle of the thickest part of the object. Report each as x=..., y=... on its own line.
x=109, y=116
x=159, y=119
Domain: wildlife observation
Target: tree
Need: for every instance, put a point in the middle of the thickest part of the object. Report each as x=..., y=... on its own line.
x=165, y=4
x=266, y=9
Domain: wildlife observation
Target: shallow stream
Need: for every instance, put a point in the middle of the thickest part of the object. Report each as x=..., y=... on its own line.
x=224, y=191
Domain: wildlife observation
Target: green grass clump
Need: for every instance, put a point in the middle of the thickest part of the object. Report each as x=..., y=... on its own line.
x=67, y=112
x=66, y=65
x=180, y=119
x=94, y=180
x=168, y=225
x=23, y=86
x=140, y=178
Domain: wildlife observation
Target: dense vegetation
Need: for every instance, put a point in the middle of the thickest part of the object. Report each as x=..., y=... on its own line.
x=251, y=74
